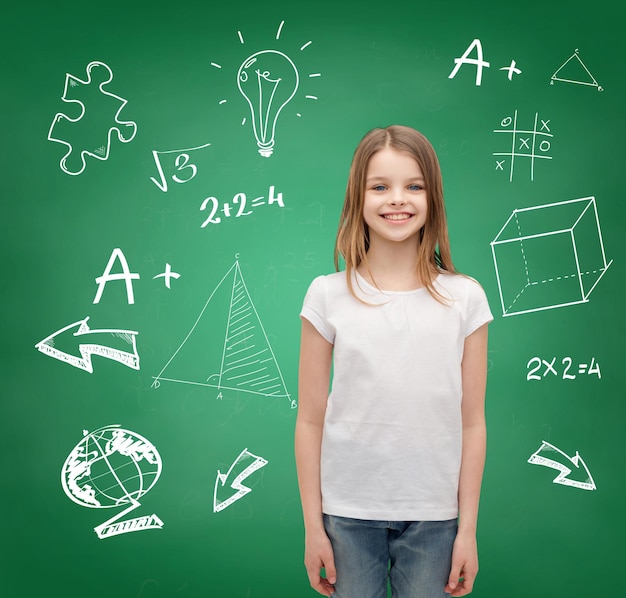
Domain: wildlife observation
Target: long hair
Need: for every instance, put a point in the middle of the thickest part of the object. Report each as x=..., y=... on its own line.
x=433, y=247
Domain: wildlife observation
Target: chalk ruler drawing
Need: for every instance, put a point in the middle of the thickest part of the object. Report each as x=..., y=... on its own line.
x=524, y=143
x=268, y=80
x=229, y=486
x=112, y=468
x=573, y=70
x=185, y=168
x=549, y=256
x=111, y=343
x=98, y=118
x=246, y=364
x=548, y=455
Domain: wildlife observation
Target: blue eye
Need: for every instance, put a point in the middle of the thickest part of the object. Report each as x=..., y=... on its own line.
x=379, y=187
x=415, y=187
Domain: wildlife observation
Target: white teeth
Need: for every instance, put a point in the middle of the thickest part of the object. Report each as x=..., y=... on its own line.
x=396, y=216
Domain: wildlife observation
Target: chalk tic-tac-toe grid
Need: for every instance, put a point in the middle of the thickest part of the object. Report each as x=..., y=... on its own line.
x=523, y=143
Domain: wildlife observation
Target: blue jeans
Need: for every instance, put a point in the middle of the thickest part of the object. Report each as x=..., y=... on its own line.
x=415, y=556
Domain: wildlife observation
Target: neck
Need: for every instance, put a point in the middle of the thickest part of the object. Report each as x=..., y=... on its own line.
x=392, y=267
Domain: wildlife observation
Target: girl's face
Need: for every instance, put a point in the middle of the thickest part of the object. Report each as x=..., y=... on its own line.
x=395, y=203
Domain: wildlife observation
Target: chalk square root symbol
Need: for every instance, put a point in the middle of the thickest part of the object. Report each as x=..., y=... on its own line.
x=549, y=256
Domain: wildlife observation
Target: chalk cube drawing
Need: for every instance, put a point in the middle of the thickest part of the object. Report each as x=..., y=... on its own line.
x=549, y=256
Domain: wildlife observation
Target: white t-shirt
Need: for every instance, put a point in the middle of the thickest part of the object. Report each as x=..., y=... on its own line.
x=391, y=445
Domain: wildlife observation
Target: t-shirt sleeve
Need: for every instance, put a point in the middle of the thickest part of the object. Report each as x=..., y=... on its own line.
x=478, y=312
x=314, y=308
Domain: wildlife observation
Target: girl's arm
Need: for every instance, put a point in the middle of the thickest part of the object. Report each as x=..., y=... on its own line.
x=465, y=552
x=313, y=382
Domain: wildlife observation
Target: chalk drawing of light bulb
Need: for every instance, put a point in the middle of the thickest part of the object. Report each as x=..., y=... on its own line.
x=268, y=80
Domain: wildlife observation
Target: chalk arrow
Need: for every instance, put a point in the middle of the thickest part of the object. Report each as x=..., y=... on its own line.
x=550, y=456
x=244, y=466
x=118, y=345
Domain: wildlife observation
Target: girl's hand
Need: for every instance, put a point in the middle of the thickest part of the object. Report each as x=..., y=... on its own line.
x=318, y=554
x=464, y=565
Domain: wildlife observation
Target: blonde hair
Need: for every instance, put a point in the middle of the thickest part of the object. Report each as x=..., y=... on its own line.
x=433, y=249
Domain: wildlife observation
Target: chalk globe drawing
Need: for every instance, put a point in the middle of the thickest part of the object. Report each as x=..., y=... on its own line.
x=110, y=467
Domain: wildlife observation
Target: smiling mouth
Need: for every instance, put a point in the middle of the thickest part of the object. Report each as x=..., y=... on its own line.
x=397, y=216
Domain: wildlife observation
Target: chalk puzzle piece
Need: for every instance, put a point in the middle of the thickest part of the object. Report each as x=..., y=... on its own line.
x=96, y=118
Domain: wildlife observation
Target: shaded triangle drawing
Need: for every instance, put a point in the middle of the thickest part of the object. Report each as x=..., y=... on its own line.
x=233, y=355
x=573, y=70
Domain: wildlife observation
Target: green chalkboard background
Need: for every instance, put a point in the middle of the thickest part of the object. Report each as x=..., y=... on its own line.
x=369, y=63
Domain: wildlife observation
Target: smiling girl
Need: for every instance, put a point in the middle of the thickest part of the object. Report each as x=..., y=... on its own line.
x=390, y=462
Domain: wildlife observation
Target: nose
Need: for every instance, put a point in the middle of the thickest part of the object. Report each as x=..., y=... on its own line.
x=397, y=198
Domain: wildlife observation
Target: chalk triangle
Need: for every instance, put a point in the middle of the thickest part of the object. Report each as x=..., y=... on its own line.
x=573, y=70
x=245, y=363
